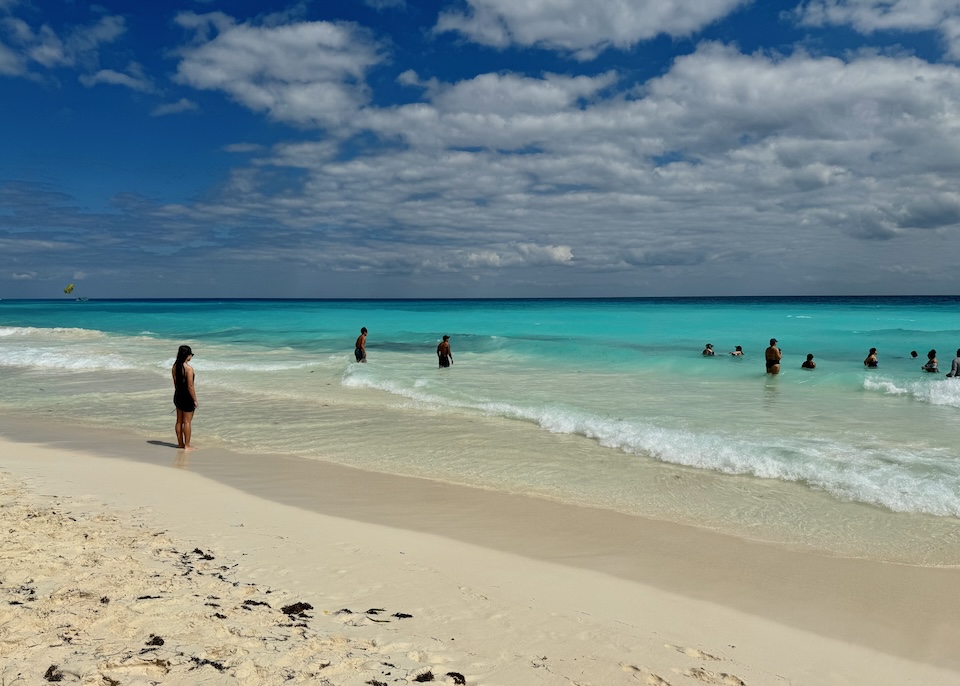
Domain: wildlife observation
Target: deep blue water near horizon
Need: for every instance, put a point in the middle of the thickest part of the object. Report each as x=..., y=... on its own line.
x=602, y=402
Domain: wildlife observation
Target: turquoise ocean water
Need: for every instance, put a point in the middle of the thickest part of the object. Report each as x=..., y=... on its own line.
x=604, y=403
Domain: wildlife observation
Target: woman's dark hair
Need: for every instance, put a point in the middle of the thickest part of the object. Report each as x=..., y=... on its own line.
x=932, y=354
x=182, y=354
x=873, y=350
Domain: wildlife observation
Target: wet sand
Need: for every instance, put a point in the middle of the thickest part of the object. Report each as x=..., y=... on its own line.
x=500, y=589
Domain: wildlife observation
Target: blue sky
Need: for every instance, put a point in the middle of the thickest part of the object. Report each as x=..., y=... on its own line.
x=479, y=148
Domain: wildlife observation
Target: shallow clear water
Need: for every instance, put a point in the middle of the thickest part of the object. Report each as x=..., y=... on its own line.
x=605, y=403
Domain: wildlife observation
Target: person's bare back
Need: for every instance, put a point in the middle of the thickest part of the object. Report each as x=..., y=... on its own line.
x=772, y=356
x=444, y=355
x=360, y=350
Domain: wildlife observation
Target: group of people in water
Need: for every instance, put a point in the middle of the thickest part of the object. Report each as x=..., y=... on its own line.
x=185, y=394
x=444, y=354
x=931, y=366
x=773, y=356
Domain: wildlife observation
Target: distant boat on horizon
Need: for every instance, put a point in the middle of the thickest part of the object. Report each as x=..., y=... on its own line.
x=82, y=300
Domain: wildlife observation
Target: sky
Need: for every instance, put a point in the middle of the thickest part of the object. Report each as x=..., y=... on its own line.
x=479, y=148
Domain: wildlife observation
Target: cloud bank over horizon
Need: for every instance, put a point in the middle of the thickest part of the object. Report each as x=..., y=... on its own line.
x=482, y=148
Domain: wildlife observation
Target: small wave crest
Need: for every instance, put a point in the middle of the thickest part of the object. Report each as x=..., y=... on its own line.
x=895, y=478
x=936, y=391
x=63, y=359
x=224, y=366
x=59, y=333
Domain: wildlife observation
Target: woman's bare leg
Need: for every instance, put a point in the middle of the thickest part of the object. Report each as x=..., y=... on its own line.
x=178, y=429
x=186, y=430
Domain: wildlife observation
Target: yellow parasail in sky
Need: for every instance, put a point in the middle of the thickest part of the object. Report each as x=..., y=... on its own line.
x=69, y=289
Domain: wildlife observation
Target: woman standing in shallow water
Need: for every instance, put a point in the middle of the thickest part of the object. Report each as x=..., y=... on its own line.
x=772, y=357
x=184, y=396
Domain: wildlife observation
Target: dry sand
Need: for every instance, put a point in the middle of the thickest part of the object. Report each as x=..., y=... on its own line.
x=175, y=568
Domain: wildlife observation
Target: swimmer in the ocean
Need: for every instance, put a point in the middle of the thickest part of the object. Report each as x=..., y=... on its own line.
x=444, y=354
x=871, y=361
x=772, y=357
x=360, y=349
x=955, y=367
x=809, y=363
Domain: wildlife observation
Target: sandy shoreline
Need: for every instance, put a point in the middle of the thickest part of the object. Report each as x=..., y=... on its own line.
x=501, y=589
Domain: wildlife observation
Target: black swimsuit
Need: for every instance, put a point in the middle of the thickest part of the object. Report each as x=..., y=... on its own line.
x=181, y=394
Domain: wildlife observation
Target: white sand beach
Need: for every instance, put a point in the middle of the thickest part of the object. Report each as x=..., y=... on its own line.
x=128, y=562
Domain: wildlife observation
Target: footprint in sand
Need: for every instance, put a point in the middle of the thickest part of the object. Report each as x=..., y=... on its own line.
x=469, y=592
x=691, y=652
x=646, y=676
x=708, y=677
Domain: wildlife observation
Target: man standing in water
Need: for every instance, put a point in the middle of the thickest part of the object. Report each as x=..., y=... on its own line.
x=360, y=352
x=443, y=352
x=772, y=355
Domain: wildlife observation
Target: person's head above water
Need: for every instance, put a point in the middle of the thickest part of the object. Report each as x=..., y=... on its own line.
x=773, y=341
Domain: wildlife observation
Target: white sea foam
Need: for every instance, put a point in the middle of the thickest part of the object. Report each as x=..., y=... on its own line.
x=62, y=358
x=937, y=390
x=895, y=477
x=248, y=366
x=56, y=333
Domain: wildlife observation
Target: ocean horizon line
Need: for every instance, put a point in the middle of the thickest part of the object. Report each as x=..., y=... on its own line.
x=620, y=298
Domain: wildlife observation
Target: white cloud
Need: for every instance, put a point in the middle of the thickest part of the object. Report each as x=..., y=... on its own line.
x=583, y=28
x=876, y=15
x=81, y=45
x=869, y=16
x=546, y=254
x=381, y=5
x=48, y=50
x=78, y=47
x=511, y=94
x=726, y=164
x=244, y=148
x=724, y=159
x=309, y=73
x=11, y=64
x=134, y=78
x=178, y=107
